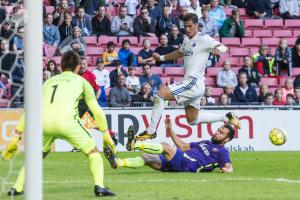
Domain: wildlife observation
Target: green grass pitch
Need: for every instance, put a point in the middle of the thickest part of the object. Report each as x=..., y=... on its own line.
x=257, y=176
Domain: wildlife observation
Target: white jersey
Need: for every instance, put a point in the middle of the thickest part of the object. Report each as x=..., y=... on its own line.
x=196, y=52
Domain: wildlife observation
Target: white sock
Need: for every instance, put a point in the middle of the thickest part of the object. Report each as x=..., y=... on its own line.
x=208, y=118
x=157, y=111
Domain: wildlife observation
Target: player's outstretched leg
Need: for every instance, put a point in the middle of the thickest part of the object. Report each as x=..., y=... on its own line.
x=18, y=188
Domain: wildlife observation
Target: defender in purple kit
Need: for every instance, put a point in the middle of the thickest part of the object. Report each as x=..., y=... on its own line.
x=203, y=156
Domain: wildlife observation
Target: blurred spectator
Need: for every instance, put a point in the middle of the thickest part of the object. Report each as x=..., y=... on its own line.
x=237, y=3
x=279, y=99
x=289, y=9
x=165, y=22
x=207, y=95
x=233, y=26
x=174, y=8
x=297, y=96
x=226, y=76
x=119, y=95
x=144, y=25
x=7, y=30
x=5, y=87
x=66, y=28
x=89, y=76
x=175, y=40
x=126, y=57
x=132, y=82
x=122, y=24
x=297, y=81
x=17, y=16
x=269, y=99
x=208, y=23
x=113, y=75
x=203, y=101
x=73, y=42
x=8, y=59
x=224, y=100
x=83, y=21
x=91, y=6
x=52, y=68
x=154, y=10
x=50, y=32
x=153, y=79
x=110, y=55
x=145, y=55
x=274, y=4
x=283, y=58
x=102, y=74
x=288, y=88
x=244, y=93
x=18, y=42
x=46, y=75
x=132, y=6
x=290, y=100
x=179, y=20
x=296, y=54
x=145, y=94
x=195, y=8
x=228, y=90
x=259, y=9
x=217, y=12
x=101, y=23
x=264, y=61
x=252, y=73
x=263, y=90
x=3, y=14
x=60, y=11
x=164, y=49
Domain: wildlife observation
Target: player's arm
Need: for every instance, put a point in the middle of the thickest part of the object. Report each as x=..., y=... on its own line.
x=171, y=56
x=227, y=168
x=216, y=47
x=177, y=141
x=99, y=115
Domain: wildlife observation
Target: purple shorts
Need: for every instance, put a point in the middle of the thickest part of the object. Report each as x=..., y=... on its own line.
x=173, y=165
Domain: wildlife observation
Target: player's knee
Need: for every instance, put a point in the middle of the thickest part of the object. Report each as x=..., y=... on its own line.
x=147, y=158
x=95, y=150
x=166, y=147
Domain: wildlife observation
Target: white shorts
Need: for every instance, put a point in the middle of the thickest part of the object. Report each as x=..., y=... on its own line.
x=189, y=91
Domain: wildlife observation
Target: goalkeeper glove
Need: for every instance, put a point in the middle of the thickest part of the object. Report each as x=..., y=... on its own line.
x=107, y=141
x=12, y=148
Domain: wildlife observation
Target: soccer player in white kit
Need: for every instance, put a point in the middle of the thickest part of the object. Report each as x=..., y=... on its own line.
x=195, y=50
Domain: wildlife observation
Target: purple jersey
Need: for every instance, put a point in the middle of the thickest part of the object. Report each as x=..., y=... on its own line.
x=205, y=156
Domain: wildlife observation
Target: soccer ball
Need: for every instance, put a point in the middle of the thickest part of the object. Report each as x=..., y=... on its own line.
x=278, y=136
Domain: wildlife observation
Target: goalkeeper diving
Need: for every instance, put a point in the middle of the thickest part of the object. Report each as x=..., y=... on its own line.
x=202, y=156
x=61, y=95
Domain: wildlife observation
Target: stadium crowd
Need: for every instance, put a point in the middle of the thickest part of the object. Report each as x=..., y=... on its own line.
x=116, y=40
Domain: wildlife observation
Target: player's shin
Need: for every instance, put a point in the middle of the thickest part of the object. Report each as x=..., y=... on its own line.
x=151, y=148
x=131, y=162
x=96, y=166
x=19, y=184
x=157, y=111
x=208, y=118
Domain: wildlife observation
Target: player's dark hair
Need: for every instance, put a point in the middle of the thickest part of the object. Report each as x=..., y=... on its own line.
x=70, y=60
x=231, y=131
x=191, y=17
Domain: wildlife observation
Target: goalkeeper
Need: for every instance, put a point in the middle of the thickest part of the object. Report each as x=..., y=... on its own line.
x=61, y=95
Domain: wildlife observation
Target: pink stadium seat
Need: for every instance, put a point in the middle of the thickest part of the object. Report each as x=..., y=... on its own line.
x=135, y=50
x=282, y=80
x=112, y=11
x=274, y=24
x=282, y=33
x=212, y=71
x=110, y=68
x=174, y=71
x=94, y=51
x=138, y=71
x=103, y=40
x=291, y=41
x=210, y=81
x=217, y=91
x=253, y=50
x=242, y=12
x=235, y=62
x=153, y=41
x=254, y=23
x=49, y=50
x=133, y=40
x=57, y=59
x=248, y=33
x=296, y=71
x=228, y=11
x=180, y=61
x=271, y=42
x=273, y=50
x=231, y=42
x=269, y=81
x=239, y=52
x=262, y=33
x=50, y=9
x=157, y=70
x=296, y=33
x=90, y=41
x=292, y=23
x=250, y=42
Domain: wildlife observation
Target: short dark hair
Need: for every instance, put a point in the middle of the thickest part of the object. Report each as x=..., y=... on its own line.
x=191, y=17
x=290, y=95
x=126, y=41
x=80, y=7
x=70, y=60
x=268, y=94
x=231, y=133
x=234, y=11
x=146, y=65
x=110, y=44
